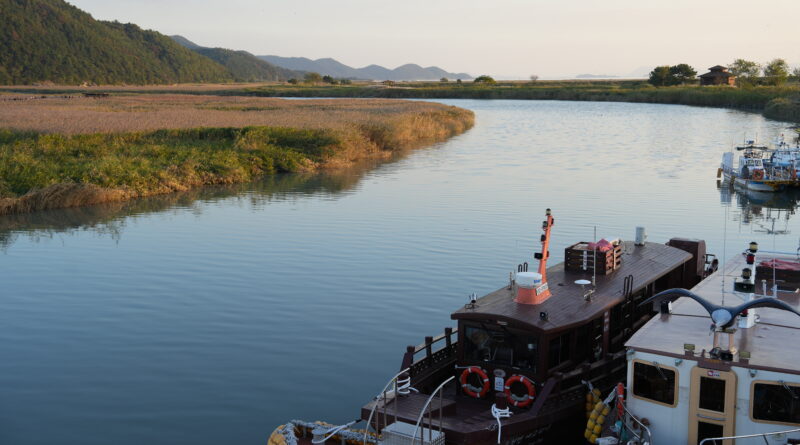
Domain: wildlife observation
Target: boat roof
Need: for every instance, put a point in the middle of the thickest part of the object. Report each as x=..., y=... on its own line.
x=566, y=306
x=690, y=323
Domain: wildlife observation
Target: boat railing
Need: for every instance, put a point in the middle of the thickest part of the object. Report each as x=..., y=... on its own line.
x=383, y=399
x=427, y=408
x=436, y=349
x=646, y=437
x=748, y=436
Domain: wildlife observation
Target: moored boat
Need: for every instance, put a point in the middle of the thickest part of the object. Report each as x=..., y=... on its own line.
x=760, y=168
x=721, y=364
x=517, y=367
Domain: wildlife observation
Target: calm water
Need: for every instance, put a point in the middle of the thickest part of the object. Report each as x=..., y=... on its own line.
x=212, y=316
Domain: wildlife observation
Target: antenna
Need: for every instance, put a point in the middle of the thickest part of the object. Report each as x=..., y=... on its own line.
x=724, y=250
x=594, y=260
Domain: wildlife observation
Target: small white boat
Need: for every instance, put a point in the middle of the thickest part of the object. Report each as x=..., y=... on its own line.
x=756, y=170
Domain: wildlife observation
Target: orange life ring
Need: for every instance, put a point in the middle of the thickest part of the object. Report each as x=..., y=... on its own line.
x=758, y=175
x=474, y=391
x=514, y=399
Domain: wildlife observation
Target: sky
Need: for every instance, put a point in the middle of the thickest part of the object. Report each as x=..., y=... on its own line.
x=502, y=38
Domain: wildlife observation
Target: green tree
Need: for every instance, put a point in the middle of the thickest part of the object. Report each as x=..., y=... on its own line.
x=660, y=76
x=746, y=71
x=458, y=81
x=328, y=79
x=488, y=80
x=796, y=73
x=313, y=77
x=292, y=81
x=682, y=73
x=444, y=80
x=776, y=72
x=345, y=81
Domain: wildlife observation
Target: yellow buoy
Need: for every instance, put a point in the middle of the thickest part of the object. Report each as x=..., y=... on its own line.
x=593, y=415
x=593, y=438
x=606, y=410
x=587, y=434
x=601, y=419
x=598, y=429
x=276, y=438
x=599, y=406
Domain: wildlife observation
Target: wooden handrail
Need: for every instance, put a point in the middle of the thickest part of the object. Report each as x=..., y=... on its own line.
x=423, y=346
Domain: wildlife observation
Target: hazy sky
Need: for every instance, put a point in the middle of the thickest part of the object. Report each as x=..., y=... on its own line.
x=497, y=37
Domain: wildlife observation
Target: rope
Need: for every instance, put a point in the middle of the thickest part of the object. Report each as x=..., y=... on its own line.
x=332, y=432
x=288, y=433
x=343, y=433
x=404, y=386
x=498, y=414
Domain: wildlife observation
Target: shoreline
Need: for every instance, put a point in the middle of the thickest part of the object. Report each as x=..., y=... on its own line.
x=43, y=171
x=774, y=102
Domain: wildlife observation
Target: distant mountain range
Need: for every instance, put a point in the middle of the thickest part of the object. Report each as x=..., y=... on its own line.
x=595, y=76
x=53, y=41
x=334, y=68
x=243, y=66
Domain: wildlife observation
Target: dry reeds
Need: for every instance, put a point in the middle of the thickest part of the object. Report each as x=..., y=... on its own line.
x=120, y=148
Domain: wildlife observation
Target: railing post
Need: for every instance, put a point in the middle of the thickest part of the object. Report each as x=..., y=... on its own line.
x=428, y=347
x=448, y=331
x=408, y=357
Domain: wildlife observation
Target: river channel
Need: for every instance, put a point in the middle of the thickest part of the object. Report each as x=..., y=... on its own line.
x=212, y=316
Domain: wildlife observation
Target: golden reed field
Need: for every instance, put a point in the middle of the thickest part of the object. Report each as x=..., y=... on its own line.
x=58, y=151
x=126, y=113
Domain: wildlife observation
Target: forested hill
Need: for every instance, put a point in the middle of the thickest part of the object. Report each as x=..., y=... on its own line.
x=51, y=40
x=243, y=66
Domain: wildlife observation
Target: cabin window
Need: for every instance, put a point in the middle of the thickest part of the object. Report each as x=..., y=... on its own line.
x=502, y=347
x=712, y=394
x=776, y=402
x=654, y=382
x=559, y=350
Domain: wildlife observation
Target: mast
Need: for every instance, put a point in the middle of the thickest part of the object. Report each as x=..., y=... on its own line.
x=547, y=224
x=532, y=287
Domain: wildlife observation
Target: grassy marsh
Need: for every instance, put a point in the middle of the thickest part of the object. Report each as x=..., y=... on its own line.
x=61, y=152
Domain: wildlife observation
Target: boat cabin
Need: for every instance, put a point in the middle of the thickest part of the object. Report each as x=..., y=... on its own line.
x=528, y=348
x=687, y=384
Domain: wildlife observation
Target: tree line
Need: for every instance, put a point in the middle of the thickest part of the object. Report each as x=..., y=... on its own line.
x=748, y=73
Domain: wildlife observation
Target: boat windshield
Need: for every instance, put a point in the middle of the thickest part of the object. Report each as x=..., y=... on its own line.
x=501, y=346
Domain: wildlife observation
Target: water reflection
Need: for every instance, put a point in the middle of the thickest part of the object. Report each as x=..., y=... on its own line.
x=110, y=219
x=769, y=213
x=295, y=297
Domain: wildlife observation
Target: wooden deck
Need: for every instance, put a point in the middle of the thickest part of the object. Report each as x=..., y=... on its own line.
x=566, y=307
x=470, y=422
x=771, y=342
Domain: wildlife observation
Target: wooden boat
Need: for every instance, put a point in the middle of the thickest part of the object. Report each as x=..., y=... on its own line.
x=687, y=386
x=518, y=366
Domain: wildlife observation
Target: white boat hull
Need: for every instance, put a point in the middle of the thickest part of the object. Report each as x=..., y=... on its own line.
x=749, y=184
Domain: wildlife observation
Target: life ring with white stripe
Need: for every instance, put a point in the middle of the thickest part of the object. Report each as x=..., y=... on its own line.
x=471, y=390
x=520, y=401
x=758, y=175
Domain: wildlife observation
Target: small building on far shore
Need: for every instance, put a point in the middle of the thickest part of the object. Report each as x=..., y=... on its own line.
x=717, y=75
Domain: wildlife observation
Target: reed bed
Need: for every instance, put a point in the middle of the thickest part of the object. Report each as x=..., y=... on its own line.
x=63, y=152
